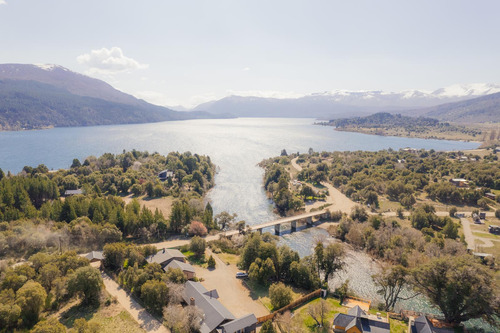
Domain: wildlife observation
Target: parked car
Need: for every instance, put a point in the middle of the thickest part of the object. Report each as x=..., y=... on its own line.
x=241, y=275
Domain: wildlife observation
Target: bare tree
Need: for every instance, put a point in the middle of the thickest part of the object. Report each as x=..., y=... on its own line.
x=318, y=311
x=175, y=292
x=391, y=281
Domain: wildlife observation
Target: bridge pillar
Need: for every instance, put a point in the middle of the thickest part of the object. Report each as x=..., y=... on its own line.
x=260, y=231
x=309, y=220
x=294, y=226
x=277, y=229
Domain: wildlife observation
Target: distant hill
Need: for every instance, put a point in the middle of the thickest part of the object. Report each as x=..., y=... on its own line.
x=34, y=96
x=477, y=110
x=343, y=103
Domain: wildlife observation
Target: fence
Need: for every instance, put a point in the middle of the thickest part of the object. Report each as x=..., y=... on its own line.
x=290, y=306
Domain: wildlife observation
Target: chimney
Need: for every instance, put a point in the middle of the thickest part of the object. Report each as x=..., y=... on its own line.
x=191, y=301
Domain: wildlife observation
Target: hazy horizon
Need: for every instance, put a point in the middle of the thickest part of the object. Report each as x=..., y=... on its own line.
x=187, y=53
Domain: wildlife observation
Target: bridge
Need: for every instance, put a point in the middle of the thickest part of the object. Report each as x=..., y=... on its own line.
x=306, y=218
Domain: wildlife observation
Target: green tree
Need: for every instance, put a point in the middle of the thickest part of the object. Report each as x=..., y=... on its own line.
x=225, y=220
x=460, y=287
x=31, y=299
x=87, y=281
x=154, y=294
x=267, y=327
x=280, y=295
x=333, y=260
x=198, y=246
x=51, y=325
x=211, y=262
x=9, y=311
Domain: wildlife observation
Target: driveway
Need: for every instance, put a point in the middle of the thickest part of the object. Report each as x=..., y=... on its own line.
x=232, y=293
x=145, y=320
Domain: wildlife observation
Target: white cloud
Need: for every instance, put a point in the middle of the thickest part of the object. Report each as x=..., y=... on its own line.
x=109, y=61
x=246, y=69
x=2, y=2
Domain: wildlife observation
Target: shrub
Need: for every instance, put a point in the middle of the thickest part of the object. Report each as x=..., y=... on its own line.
x=280, y=295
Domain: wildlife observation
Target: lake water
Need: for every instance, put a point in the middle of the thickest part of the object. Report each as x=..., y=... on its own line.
x=236, y=146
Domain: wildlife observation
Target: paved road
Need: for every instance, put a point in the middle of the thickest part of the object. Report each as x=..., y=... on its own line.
x=145, y=320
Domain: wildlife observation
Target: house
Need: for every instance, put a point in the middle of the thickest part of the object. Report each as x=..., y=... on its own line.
x=459, y=182
x=490, y=196
x=165, y=256
x=216, y=318
x=68, y=193
x=186, y=268
x=357, y=321
x=165, y=174
x=93, y=256
x=482, y=215
x=245, y=324
x=424, y=325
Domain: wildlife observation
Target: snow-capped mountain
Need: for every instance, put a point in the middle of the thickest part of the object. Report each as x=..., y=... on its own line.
x=345, y=103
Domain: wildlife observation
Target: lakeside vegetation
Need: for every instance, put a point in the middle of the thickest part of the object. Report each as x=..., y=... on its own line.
x=388, y=124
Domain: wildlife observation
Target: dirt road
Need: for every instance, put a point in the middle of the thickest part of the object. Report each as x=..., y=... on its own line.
x=145, y=320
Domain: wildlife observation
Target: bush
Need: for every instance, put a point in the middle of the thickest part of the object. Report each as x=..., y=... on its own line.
x=211, y=262
x=453, y=211
x=280, y=295
x=197, y=229
x=198, y=246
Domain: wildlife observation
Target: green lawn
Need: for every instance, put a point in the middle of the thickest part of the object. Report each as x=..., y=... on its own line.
x=309, y=325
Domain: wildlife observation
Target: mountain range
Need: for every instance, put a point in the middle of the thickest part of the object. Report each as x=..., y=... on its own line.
x=39, y=96
x=342, y=103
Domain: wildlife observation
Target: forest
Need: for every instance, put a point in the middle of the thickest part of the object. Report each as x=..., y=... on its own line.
x=35, y=213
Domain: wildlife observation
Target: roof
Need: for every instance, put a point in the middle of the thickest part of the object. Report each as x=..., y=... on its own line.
x=73, y=192
x=423, y=325
x=356, y=312
x=179, y=264
x=356, y=317
x=459, y=180
x=214, y=312
x=164, y=255
x=240, y=323
x=93, y=255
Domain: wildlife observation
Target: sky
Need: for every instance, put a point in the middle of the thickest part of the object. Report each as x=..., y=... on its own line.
x=187, y=52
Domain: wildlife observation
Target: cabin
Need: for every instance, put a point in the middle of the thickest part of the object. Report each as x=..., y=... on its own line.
x=216, y=318
x=459, y=182
x=424, y=325
x=165, y=174
x=186, y=268
x=165, y=256
x=68, y=193
x=490, y=196
x=357, y=321
x=93, y=256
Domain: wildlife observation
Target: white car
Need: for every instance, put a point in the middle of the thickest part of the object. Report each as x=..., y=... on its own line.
x=241, y=275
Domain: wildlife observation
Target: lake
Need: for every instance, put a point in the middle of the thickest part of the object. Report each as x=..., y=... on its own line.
x=236, y=146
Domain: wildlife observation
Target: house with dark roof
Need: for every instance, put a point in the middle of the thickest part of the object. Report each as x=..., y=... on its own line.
x=357, y=321
x=165, y=256
x=216, y=318
x=424, y=325
x=186, y=268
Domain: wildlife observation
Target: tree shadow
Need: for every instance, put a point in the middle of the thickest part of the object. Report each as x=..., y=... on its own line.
x=78, y=311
